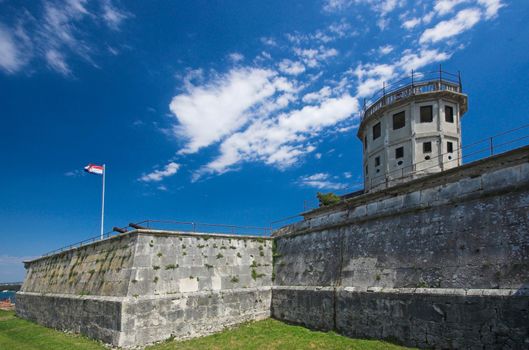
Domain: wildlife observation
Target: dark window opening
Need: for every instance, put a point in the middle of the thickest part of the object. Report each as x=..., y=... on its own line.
x=367, y=172
x=365, y=142
x=426, y=114
x=399, y=120
x=450, y=147
x=426, y=147
x=399, y=152
x=377, y=161
x=449, y=114
x=427, y=157
x=376, y=131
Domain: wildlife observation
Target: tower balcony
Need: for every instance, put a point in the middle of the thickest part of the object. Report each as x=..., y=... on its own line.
x=416, y=84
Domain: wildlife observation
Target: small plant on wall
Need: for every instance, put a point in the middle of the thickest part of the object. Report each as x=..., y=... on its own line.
x=327, y=198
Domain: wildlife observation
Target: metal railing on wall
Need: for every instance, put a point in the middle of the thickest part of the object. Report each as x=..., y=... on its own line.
x=172, y=225
x=84, y=242
x=201, y=227
x=415, y=84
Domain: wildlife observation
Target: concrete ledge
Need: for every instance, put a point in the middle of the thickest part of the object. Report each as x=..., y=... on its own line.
x=523, y=291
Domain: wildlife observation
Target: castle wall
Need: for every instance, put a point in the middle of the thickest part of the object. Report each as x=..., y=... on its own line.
x=391, y=264
x=145, y=286
x=438, y=262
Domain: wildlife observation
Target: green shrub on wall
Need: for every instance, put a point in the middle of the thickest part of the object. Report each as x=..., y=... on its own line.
x=327, y=198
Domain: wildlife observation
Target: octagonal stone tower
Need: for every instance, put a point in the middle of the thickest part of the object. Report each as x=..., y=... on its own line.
x=412, y=128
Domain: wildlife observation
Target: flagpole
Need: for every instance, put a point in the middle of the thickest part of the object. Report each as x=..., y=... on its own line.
x=103, y=201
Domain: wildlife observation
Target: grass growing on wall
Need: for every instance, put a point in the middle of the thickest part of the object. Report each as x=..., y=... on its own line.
x=18, y=334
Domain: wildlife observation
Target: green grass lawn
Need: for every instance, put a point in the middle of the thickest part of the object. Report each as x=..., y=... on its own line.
x=18, y=334
x=272, y=334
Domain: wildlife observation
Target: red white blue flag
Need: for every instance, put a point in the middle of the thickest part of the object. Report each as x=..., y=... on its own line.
x=94, y=169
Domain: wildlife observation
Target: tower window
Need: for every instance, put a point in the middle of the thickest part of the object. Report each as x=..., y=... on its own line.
x=449, y=114
x=367, y=172
x=365, y=142
x=450, y=147
x=426, y=114
x=376, y=131
x=426, y=147
x=377, y=161
x=399, y=120
x=399, y=152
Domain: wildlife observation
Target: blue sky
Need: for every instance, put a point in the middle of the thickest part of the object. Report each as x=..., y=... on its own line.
x=219, y=111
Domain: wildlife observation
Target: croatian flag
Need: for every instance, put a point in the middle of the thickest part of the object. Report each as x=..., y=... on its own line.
x=94, y=169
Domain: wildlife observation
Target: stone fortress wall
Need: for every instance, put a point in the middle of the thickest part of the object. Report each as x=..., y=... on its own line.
x=438, y=262
x=145, y=286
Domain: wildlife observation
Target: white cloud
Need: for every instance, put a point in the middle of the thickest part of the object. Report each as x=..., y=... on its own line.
x=318, y=96
x=335, y=31
x=341, y=30
x=280, y=141
x=383, y=23
x=411, y=60
x=336, y=5
x=54, y=32
x=158, y=175
x=464, y=20
x=206, y=114
x=491, y=7
x=427, y=18
x=291, y=67
x=372, y=76
x=313, y=57
x=10, y=56
x=411, y=23
x=112, y=15
x=269, y=41
x=386, y=6
x=59, y=28
x=321, y=181
x=382, y=7
x=236, y=57
x=317, y=156
x=75, y=173
x=416, y=21
x=443, y=7
x=56, y=61
x=385, y=50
